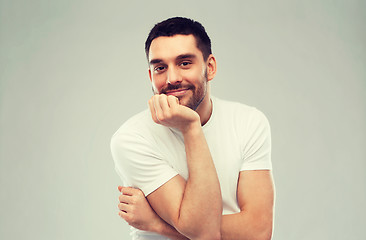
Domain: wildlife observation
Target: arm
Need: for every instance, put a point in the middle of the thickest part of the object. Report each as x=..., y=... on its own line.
x=256, y=201
x=137, y=212
x=254, y=221
x=194, y=207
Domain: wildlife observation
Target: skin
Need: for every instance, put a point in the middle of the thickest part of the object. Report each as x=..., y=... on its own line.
x=254, y=221
x=179, y=76
x=176, y=61
x=192, y=209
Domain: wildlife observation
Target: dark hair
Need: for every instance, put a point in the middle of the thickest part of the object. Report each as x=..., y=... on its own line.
x=184, y=26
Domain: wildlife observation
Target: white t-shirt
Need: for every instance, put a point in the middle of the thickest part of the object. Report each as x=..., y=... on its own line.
x=147, y=154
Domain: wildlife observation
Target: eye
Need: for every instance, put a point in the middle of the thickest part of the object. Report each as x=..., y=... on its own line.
x=185, y=64
x=159, y=69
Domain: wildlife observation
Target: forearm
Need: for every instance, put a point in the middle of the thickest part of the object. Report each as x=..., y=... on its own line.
x=246, y=226
x=201, y=206
x=238, y=226
x=167, y=230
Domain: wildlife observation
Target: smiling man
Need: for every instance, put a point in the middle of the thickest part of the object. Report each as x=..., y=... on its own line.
x=193, y=166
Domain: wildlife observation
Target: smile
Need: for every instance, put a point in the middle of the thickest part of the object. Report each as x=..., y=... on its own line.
x=177, y=92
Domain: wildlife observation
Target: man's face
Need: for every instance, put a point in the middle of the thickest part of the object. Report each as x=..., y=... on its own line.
x=177, y=67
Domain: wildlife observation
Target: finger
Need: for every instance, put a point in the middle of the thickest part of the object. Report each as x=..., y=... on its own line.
x=130, y=191
x=163, y=102
x=125, y=199
x=122, y=214
x=125, y=216
x=152, y=110
x=173, y=101
x=120, y=188
x=158, y=109
x=124, y=207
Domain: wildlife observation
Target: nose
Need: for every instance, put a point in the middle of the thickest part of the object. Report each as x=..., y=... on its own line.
x=173, y=76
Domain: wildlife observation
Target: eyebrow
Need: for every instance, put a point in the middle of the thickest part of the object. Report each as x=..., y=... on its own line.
x=185, y=56
x=180, y=57
x=155, y=61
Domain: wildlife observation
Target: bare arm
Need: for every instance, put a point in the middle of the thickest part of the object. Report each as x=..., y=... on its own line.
x=256, y=201
x=194, y=207
x=137, y=212
x=254, y=221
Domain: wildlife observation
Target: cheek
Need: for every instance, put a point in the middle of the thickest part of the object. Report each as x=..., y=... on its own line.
x=195, y=77
x=157, y=82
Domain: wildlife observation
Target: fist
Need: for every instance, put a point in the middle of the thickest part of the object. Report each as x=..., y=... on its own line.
x=136, y=210
x=167, y=111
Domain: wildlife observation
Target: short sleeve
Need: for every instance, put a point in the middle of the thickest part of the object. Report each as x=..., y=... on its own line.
x=256, y=152
x=138, y=163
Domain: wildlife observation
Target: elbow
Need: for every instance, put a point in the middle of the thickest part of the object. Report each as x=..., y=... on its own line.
x=210, y=236
x=196, y=225
x=264, y=230
x=265, y=234
x=199, y=231
x=259, y=224
x=260, y=234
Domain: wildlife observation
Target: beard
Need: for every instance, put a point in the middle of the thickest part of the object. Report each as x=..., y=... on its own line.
x=198, y=93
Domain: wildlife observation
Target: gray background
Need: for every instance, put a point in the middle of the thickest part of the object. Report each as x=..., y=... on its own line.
x=73, y=71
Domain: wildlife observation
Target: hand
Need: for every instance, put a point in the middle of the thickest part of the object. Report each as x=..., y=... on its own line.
x=167, y=111
x=136, y=211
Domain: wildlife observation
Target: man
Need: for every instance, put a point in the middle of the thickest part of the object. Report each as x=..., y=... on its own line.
x=202, y=163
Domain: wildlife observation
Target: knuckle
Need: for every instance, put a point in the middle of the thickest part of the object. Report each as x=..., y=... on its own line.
x=167, y=115
x=160, y=116
x=171, y=98
x=162, y=98
x=155, y=120
x=132, y=209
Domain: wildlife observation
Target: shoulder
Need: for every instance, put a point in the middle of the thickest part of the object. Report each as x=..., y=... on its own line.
x=139, y=129
x=138, y=126
x=134, y=123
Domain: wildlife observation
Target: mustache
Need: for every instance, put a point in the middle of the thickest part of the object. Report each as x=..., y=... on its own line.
x=171, y=87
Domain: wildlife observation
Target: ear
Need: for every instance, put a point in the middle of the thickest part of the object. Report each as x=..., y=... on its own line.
x=211, y=67
x=150, y=74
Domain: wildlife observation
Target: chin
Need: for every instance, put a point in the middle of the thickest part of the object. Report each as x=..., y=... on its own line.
x=184, y=100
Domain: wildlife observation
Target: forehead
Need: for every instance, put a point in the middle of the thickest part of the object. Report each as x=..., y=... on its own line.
x=171, y=47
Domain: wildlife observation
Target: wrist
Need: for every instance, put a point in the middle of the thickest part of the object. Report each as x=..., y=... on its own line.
x=159, y=227
x=191, y=129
